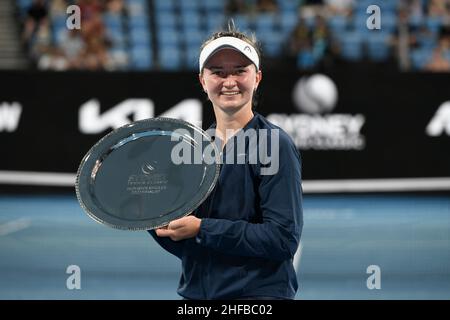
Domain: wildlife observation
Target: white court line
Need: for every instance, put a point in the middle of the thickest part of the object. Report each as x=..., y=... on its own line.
x=37, y=178
x=309, y=186
x=14, y=226
x=377, y=185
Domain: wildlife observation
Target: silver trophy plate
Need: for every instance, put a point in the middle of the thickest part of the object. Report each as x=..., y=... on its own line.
x=147, y=173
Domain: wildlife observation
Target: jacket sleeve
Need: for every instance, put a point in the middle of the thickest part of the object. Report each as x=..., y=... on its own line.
x=173, y=247
x=278, y=236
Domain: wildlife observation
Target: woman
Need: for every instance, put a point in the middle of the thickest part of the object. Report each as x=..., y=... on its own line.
x=240, y=242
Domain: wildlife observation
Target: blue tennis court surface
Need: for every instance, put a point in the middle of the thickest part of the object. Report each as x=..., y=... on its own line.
x=407, y=237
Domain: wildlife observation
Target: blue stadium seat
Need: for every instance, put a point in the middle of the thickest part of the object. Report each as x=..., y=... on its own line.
x=59, y=28
x=170, y=58
x=337, y=23
x=242, y=22
x=138, y=22
x=140, y=36
x=194, y=38
x=378, y=48
x=136, y=7
x=117, y=36
x=166, y=19
x=191, y=29
x=58, y=22
x=272, y=49
x=143, y=14
x=213, y=5
x=288, y=5
x=189, y=5
x=112, y=21
x=351, y=46
x=272, y=42
x=359, y=23
x=140, y=2
x=191, y=58
x=190, y=19
x=141, y=58
x=59, y=34
x=163, y=5
x=389, y=21
x=214, y=21
x=415, y=21
x=305, y=60
x=168, y=36
x=434, y=24
x=288, y=21
x=265, y=22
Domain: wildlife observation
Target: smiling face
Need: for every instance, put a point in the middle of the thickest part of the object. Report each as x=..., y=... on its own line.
x=230, y=79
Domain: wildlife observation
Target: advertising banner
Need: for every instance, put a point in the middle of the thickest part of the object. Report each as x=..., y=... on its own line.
x=347, y=125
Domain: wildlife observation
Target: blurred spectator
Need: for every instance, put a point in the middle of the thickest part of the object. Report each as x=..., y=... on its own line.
x=89, y=9
x=419, y=25
x=438, y=8
x=37, y=15
x=340, y=7
x=266, y=6
x=94, y=28
x=305, y=38
x=52, y=59
x=311, y=8
x=94, y=51
x=95, y=56
x=233, y=7
x=72, y=46
x=300, y=39
x=42, y=40
x=86, y=48
x=312, y=4
x=423, y=37
x=311, y=46
x=115, y=6
x=414, y=8
x=58, y=8
x=321, y=38
x=91, y=18
x=440, y=60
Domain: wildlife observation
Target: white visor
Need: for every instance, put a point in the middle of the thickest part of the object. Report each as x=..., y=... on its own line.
x=228, y=42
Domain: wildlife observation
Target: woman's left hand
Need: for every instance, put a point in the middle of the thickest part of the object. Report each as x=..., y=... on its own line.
x=180, y=229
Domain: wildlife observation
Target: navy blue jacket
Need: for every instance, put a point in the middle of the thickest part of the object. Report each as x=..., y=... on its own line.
x=250, y=230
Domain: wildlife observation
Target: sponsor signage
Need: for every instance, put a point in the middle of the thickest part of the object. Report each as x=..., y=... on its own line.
x=347, y=125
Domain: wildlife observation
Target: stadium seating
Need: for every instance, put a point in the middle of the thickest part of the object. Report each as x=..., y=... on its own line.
x=166, y=34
